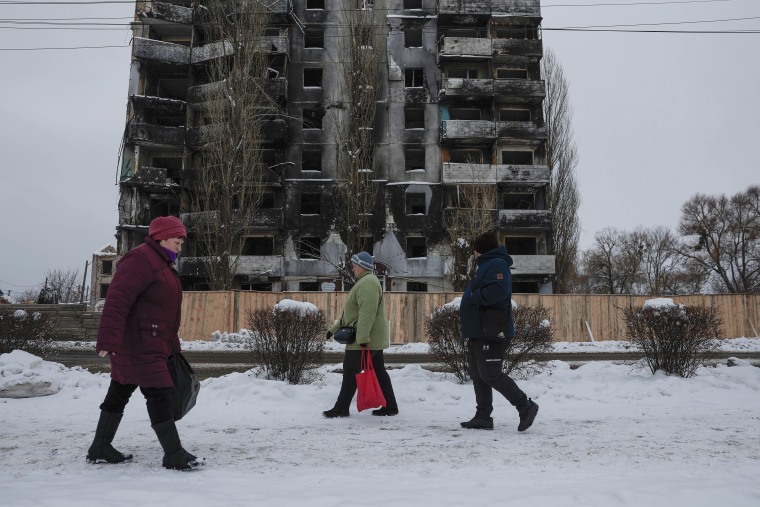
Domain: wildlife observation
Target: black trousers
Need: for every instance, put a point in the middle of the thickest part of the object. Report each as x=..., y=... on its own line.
x=157, y=399
x=351, y=366
x=486, y=360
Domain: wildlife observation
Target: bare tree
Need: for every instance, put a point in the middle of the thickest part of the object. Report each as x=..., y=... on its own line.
x=722, y=235
x=353, y=109
x=231, y=175
x=562, y=158
x=613, y=263
x=62, y=286
x=470, y=213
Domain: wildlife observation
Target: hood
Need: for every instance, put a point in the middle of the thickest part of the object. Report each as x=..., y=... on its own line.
x=499, y=252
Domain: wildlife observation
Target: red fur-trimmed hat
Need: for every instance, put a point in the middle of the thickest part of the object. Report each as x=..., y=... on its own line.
x=167, y=227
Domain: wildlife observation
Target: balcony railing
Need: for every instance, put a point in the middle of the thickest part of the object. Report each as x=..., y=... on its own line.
x=525, y=130
x=533, y=265
x=197, y=95
x=484, y=129
x=155, y=134
x=525, y=219
x=522, y=47
x=513, y=7
x=535, y=176
x=470, y=46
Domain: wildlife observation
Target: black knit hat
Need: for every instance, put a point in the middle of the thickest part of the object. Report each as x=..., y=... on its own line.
x=485, y=242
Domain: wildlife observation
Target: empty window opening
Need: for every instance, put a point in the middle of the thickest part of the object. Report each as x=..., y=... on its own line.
x=311, y=204
x=315, y=4
x=519, y=201
x=413, y=78
x=311, y=160
x=257, y=245
x=269, y=157
x=308, y=286
x=314, y=38
x=107, y=267
x=413, y=37
x=103, y=291
x=416, y=247
x=257, y=286
x=268, y=200
x=415, y=203
x=520, y=246
x=514, y=114
x=468, y=33
x=462, y=73
x=312, y=118
x=464, y=113
x=312, y=78
x=524, y=287
x=414, y=117
x=416, y=287
x=308, y=248
x=517, y=157
x=512, y=73
x=412, y=4
x=466, y=156
x=415, y=159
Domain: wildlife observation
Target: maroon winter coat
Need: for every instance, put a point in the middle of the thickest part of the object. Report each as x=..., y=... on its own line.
x=141, y=317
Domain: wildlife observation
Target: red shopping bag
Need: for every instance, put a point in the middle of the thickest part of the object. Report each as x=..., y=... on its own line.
x=369, y=394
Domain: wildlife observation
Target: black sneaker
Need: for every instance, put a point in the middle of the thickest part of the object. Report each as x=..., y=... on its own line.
x=385, y=411
x=527, y=415
x=335, y=413
x=478, y=423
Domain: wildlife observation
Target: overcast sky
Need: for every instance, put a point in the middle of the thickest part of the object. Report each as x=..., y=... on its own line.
x=658, y=117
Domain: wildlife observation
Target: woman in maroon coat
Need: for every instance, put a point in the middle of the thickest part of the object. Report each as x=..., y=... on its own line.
x=138, y=331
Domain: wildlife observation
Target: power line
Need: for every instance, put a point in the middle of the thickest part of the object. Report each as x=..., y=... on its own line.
x=629, y=4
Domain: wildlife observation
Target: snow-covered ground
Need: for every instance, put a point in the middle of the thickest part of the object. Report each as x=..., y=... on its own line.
x=606, y=435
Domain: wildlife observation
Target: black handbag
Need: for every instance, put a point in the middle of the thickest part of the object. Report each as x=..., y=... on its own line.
x=186, y=385
x=345, y=335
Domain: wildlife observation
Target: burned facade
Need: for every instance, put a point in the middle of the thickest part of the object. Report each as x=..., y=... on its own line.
x=457, y=100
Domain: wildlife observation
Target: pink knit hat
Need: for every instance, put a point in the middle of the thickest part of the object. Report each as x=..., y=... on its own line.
x=166, y=227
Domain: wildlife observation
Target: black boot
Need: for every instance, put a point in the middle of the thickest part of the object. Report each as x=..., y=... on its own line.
x=175, y=457
x=334, y=412
x=385, y=411
x=528, y=412
x=101, y=450
x=479, y=422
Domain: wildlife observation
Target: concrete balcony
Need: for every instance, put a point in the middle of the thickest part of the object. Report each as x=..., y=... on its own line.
x=533, y=265
x=157, y=136
x=308, y=267
x=519, y=8
x=153, y=180
x=465, y=46
x=167, y=52
x=467, y=129
x=525, y=219
x=517, y=47
x=260, y=265
x=273, y=131
x=510, y=89
x=201, y=94
x=160, y=51
x=163, y=15
x=266, y=218
x=523, y=130
x=535, y=176
x=466, y=88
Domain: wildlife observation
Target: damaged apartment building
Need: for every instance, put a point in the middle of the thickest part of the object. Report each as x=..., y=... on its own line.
x=458, y=104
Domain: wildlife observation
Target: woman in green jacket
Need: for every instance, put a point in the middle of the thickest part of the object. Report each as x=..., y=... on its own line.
x=365, y=311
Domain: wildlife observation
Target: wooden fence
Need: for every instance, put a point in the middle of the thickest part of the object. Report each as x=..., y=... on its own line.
x=574, y=318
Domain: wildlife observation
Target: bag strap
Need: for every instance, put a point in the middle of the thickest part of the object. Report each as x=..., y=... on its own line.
x=366, y=364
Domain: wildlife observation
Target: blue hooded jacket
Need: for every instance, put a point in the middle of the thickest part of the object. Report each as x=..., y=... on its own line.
x=491, y=287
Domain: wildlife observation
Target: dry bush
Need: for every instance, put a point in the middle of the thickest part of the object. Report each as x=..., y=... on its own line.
x=533, y=337
x=287, y=343
x=675, y=339
x=20, y=330
x=446, y=345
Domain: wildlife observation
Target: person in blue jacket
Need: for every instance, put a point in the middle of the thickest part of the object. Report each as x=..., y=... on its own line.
x=485, y=315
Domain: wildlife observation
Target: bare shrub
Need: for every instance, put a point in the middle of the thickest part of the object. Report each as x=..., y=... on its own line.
x=31, y=333
x=287, y=343
x=676, y=338
x=533, y=337
x=445, y=340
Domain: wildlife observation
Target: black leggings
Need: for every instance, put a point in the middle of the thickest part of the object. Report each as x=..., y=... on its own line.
x=486, y=359
x=157, y=399
x=351, y=366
